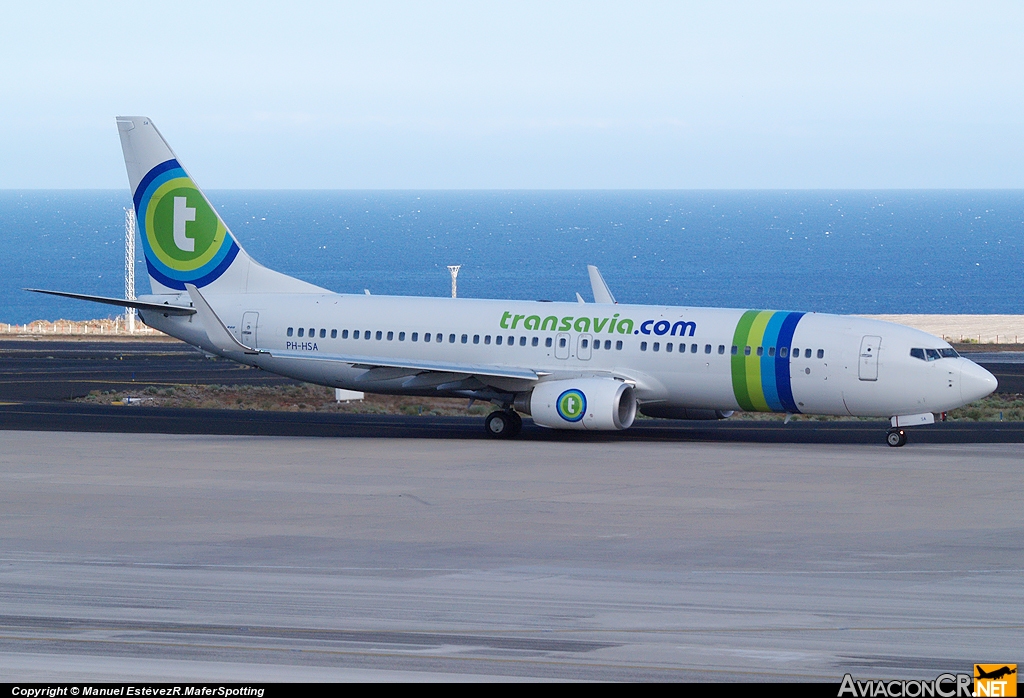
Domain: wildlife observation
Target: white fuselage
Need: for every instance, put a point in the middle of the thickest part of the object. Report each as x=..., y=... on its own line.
x=729, y=359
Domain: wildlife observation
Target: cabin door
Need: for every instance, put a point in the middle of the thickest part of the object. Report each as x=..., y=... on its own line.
x=562, y=345
x=867, y=368
x=249, y=321
x=583, y=346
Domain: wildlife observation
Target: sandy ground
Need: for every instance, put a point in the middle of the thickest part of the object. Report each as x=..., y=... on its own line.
x=986, y=329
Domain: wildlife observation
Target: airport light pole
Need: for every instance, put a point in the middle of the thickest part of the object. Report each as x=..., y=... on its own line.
x=454, y=269
x=129, y=267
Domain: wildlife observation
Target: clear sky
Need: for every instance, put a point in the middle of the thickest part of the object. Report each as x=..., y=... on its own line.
x=520, y=94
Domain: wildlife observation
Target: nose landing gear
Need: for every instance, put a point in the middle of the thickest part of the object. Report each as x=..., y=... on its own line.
x=896, y=437
x=503, y=424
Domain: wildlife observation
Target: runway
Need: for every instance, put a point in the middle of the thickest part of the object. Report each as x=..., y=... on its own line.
x=205, y=557
x=143, y=543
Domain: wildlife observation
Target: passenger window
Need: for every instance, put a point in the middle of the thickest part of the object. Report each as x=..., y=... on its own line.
x=807, y=353
x=426, y=336
x=618, y=345
x=323, y=333
x=380, y=334
x=415, y=337
x=290, y=330
x=707, y=348
x=344, y=334
x=796, y=353
x=668, y=346
x=312, y=332
x=608, y=344
x=746, y=351
x=561, y=343
x=760, y=351
x=476, y=339
x=334, y=334
x=771, y=351
x=643, y=346
x=465, y=338
x=918, y=354
x=511, y=341
x=656, y=346
x=783, y=351
x=522, y=341
x=498, y=340
x=355, y=334
x=451, y=339
x=536, y=341
x=391, y=336
x=693, y=348
x=821, y=353
x=401, y=336
x=366, y=334
x=487, y=339
x=735, y=350
x=721, y=348
x=583, y=343
x=547, y=342
x=302, y=331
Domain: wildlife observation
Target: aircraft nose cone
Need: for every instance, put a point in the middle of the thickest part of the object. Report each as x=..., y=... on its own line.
x=975, y=382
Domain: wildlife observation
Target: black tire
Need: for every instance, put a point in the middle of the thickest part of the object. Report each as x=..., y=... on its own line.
x=503, y=424
x=516, y=423
x=896, y=438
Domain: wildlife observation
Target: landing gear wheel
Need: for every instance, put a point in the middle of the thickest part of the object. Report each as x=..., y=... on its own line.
x=503, y=424
x=896, y=437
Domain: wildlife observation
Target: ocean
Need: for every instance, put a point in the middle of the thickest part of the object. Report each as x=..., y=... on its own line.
x=868, y=252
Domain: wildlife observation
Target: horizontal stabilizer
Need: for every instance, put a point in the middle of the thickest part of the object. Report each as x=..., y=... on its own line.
x=166, y=309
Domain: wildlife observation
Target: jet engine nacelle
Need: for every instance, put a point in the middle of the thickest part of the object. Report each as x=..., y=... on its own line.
x=586, y=403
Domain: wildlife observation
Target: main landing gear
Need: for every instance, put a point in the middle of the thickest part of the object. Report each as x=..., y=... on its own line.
x=503, y=424
x=896, y=437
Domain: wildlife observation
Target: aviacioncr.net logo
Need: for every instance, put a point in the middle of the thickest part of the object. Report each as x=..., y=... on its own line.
x=184, y=232
x=572, y=405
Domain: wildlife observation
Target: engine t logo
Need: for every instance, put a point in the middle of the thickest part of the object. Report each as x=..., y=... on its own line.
x=572, y=405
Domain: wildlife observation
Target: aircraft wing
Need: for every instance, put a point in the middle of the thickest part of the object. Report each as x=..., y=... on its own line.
x=411, y=367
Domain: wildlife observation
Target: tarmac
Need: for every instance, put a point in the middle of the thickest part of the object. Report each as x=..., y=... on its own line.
x=239, y=558
x=220, y=545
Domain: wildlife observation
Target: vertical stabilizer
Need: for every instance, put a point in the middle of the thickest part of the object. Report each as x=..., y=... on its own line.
x=184, y=239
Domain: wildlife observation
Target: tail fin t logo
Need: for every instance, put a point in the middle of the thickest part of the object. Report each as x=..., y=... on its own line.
x=182, y=215
x=184, y=239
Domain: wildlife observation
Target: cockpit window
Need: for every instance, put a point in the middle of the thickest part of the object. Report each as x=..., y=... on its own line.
x=934, y=354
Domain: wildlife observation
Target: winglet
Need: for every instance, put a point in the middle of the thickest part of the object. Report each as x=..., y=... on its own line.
x=600, y=288
x=218, y=334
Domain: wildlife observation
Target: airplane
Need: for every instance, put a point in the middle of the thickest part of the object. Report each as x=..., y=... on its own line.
x=589, y=366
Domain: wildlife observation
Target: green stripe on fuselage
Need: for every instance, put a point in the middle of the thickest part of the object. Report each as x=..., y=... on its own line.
x=753, y=362
x=739, y=371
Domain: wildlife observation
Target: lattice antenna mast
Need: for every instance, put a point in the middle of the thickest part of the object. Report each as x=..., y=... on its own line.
x=129, y=267
x=454, y=269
